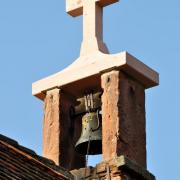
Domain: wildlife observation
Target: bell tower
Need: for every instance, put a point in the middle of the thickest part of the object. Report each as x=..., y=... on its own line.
x=97, y=105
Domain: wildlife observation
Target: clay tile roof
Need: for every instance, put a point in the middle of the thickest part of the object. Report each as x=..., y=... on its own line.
x=18, y=162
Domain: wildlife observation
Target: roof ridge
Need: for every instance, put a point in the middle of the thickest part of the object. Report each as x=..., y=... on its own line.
x=15, y=144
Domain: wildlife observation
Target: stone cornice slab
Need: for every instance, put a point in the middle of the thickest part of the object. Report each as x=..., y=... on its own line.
x=93, y=66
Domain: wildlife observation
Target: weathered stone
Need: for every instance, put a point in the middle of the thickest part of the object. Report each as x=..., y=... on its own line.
x=120, y=168
x=123, y=117
x=82, y=173
x=51, y=125
x=59, y=137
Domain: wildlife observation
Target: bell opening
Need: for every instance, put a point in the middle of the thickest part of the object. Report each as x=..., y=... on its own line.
x=93, y=160
x=95, y=147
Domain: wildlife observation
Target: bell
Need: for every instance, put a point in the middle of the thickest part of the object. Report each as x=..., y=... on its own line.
x=90, y=141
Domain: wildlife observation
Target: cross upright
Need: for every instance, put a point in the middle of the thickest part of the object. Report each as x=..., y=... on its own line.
x=92, y=11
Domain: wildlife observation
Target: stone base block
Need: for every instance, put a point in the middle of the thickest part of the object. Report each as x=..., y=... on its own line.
x=119, y=168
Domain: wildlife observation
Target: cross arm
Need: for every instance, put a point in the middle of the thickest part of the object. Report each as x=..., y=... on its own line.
x=75, y=7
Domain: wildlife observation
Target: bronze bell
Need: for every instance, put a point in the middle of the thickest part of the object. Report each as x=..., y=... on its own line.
x=90, y=141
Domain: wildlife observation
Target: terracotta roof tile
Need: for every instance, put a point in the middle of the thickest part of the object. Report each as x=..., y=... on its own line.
x=18, y=162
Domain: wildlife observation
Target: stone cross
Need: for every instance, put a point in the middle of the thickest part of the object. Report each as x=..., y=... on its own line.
x=92, y=11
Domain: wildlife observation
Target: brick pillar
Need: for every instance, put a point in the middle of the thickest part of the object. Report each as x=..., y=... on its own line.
x=58, y=136
x=123, y=117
